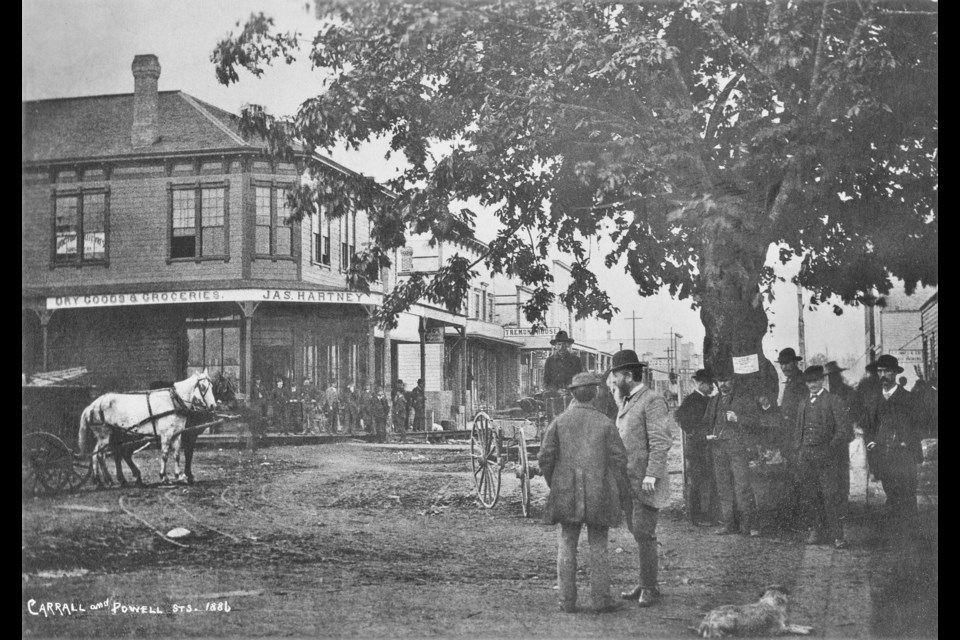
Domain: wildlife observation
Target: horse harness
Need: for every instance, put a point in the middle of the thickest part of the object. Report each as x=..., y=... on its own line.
x=179, y=408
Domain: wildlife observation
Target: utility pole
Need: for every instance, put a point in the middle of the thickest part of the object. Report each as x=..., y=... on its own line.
x=800, y=329
x=633, y=323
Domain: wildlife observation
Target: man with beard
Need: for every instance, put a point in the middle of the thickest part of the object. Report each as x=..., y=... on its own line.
x=558, y=372
x=728, y=417
x=646, y=427
x=892, y=436
x=701, y=493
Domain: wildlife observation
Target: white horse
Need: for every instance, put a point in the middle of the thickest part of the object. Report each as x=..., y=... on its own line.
x=161, y=413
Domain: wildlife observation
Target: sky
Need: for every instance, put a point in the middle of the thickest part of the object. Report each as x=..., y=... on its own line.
x=75, y=48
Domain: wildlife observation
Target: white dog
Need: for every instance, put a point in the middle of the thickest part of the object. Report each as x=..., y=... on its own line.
x=766, y=617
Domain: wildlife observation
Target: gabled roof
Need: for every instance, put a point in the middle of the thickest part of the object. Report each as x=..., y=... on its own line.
x=100, y=127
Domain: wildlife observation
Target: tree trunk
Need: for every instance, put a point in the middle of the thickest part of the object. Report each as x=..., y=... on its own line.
x=731, y=306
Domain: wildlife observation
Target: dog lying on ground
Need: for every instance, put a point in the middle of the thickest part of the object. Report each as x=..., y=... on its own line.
x=766, y=617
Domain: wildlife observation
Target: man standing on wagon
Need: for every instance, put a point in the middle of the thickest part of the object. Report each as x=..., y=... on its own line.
x=646, y=427
x=558, y=372
x=585, y=465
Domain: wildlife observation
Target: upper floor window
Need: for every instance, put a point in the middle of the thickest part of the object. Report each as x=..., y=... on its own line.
x=321, y=238
x=198, y=222
x=80, y=228
x=274, y=236
x=348, y=239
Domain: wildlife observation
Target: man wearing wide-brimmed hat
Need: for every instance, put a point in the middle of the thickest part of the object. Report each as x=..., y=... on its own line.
x=701, y=491
x=823, y=428
x=891, y=431
x=562, y=365
x=793, y=394
x=647, y=428
x=585, y=465
x=558, y=372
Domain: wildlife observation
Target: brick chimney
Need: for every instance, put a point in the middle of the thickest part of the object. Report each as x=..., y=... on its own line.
x=146, y=72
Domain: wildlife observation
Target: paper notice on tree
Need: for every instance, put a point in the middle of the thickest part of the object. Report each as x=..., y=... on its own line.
x=746, y=364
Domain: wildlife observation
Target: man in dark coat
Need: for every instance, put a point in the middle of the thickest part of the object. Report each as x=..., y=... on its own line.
x=646, y=427
x=823, y=429
x=701, y=490
x=892, y=435
x=417, y=402
x=794, y=393
x=558, y=371
x=729, y=415
x=585, y=465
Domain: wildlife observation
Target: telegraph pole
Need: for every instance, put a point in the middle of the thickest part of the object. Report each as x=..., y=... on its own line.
x=800, y=329
x=633, y=323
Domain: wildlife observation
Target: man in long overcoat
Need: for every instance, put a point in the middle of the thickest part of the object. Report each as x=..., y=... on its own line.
x=646, y=427
x=823, y=429
x=585, y=465
x=892, y=435
x=701, y=490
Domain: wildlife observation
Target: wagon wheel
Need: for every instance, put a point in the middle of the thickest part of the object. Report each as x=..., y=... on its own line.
x=80, y=469
x=485, y=459
x=46, y=463
x=523, y=472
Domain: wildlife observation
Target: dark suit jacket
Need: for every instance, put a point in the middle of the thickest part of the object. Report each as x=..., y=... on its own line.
x=892, y=424
x=558, y=371
x=690, y=415
x=824, y=424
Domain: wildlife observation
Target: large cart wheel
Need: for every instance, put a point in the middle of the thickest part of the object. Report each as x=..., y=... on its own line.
x=523, y=472
x=80, y=469
x=46, y=463
x=485, y=459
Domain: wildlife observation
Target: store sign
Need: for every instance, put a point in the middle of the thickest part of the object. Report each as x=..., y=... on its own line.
x=525, y=332
x=214, y=295
x=433, y=335
x=908, y=356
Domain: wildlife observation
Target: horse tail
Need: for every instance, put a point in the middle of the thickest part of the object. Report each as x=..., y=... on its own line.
x=86, y=418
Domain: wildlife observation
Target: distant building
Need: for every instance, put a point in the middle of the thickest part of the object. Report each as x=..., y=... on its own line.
x=931, y=338
x=893, y=325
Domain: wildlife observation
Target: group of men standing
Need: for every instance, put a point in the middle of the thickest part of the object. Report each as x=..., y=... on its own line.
x=602, y=471
x=812, y=427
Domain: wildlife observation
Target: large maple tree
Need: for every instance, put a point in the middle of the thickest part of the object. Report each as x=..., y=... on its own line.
x=695, y=135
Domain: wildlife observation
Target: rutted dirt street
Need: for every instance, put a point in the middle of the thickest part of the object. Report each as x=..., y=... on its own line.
x=356, y=540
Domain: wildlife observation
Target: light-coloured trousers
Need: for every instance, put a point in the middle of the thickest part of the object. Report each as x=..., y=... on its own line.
x=568, y=538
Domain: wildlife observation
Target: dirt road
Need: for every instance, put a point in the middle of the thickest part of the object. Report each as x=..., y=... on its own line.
x=364, y=541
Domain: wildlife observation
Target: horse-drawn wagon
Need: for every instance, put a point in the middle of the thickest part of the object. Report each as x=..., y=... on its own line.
x=54, y=452
x=507, y=440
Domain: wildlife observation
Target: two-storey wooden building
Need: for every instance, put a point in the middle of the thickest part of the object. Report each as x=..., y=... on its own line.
x=154, y=242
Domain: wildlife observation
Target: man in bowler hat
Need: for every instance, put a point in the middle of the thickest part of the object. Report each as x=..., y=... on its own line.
x=892, y=436
x=701, y=491
x=823, y=429
x=646, y=427
x=585, y=465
